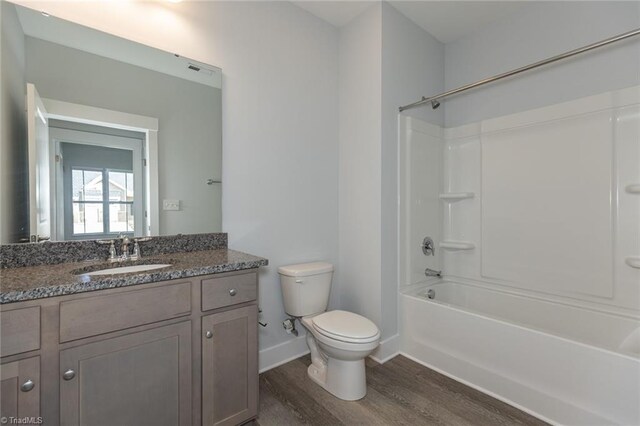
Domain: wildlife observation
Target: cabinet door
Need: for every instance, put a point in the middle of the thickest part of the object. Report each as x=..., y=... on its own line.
x=230, y=366
x=20, y=389
x=143, y=378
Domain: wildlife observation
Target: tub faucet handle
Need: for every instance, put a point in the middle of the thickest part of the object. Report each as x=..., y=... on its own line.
x=428, y=248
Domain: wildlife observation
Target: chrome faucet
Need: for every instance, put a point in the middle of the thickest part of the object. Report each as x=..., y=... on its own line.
x=432, y=273
x=125, y=248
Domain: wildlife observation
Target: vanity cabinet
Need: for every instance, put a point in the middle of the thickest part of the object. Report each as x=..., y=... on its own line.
x=179, y=352
x=141, y=378
x=229, y=365
x=20, y=389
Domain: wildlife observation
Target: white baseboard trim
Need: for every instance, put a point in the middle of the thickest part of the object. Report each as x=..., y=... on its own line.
x=282, y=353
x=388, y=349
x=295, y=348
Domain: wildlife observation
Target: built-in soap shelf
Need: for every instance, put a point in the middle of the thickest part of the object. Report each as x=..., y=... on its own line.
x=633, y=188
x=634, y=262
x=455, y=196
x=457, y=245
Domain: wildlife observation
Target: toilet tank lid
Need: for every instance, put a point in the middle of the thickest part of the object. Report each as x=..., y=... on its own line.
x=305, y=269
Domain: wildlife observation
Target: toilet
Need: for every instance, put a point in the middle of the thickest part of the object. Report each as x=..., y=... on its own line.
x=339, y=341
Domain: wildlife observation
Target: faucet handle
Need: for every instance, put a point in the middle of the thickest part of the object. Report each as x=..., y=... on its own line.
x=136, y=250
x=428, y=248
x=136, y=247
x=112, y=249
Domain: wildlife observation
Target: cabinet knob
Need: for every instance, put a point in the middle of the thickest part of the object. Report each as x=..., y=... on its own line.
x=69, y=374
x=27, y=386
x=208, y=334
x=233, y=292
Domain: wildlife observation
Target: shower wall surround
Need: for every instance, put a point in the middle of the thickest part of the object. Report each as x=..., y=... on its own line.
x=536, y=202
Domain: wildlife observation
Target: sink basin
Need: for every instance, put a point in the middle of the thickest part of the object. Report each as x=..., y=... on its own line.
x=127, y=269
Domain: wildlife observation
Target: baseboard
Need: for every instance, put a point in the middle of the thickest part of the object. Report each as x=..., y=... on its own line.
x=282, y=353
x=295, y=348
x=388, y=349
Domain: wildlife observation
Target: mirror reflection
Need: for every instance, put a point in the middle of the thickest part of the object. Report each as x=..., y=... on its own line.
x=112, y=137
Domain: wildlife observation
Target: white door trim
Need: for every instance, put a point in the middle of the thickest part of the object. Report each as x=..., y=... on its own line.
x=86, y=114
x=39, y=170
x=107, y=141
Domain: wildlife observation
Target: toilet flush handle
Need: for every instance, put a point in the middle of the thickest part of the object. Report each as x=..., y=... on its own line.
x=299, y=281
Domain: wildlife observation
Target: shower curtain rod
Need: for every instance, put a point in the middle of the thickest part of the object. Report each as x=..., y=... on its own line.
x=435, y=100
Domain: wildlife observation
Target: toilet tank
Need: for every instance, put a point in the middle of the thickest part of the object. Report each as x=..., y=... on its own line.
x=305, y=288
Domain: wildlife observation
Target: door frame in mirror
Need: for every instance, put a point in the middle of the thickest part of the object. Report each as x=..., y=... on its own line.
x=62, y=202
x=85, y=114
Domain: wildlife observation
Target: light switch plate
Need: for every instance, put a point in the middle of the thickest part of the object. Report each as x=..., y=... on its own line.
x=170, y=204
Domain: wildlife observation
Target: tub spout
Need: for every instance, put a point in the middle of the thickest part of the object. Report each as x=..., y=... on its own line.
x=432, y=273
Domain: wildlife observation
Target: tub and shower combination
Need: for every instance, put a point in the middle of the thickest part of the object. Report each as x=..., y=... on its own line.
x=526, y=310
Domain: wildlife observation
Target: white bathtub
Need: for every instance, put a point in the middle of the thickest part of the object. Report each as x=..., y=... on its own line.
x=563, y=364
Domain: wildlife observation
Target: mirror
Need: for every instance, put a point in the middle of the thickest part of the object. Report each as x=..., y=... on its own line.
x=102, y=136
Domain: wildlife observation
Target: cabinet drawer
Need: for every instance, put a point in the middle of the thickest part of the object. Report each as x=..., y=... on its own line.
x=103, y=314
x=20, y=330
x=230, y=290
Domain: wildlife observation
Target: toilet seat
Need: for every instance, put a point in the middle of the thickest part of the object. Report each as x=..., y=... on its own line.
x=345, y=327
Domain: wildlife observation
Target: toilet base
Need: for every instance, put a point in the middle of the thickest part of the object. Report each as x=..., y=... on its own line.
x=338, y=367
x=318, y=374
x=344, y=379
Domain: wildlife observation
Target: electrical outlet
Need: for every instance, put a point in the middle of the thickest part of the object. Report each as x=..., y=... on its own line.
x=170, y=204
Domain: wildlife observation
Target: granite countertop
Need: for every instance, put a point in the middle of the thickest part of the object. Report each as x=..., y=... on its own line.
x=37, y=282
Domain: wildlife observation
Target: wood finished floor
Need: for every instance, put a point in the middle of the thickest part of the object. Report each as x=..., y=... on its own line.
x=399, y=392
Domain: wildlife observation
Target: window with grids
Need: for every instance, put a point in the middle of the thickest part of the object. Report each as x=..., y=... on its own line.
x=102, y=201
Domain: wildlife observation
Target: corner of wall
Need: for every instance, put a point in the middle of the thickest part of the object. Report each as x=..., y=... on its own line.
x=13, y=156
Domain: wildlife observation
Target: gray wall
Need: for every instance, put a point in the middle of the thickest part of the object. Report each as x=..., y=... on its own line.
x=359, y=121
x=541, y=30
x=189, y=117
x=14, y=208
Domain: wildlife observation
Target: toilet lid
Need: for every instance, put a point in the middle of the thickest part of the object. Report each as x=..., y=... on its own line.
x=346, y=326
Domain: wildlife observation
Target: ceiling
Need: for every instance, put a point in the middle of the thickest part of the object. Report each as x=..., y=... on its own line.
x=446, y=20
x=337, y=13
x=66, y=33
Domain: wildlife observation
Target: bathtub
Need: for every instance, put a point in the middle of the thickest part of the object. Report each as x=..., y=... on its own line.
x=563, y=364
